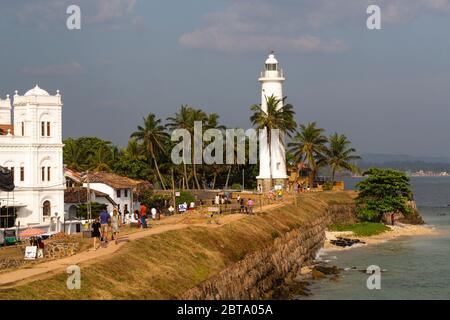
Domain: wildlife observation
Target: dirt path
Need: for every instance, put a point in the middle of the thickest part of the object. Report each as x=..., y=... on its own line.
x=47, y=269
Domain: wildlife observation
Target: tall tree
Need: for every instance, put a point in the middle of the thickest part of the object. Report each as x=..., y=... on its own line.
x=100, y=159
x=277, y=116
x=339, y=154
x=182, y=120
x=308, y=145
x=154, y=137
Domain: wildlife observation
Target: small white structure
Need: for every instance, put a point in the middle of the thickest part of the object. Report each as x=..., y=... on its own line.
x=118, y=188
x=271, y=80
x=75, y=196
x=32, y=148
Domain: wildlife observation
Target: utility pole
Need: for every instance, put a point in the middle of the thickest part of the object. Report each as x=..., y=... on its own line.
x=173, y=192
x=243, y=178
x=89, y=208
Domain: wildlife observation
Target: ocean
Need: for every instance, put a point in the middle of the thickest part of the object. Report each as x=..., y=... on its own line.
x=416, y=267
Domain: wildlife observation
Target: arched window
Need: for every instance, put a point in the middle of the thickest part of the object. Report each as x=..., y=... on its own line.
x=46, y=208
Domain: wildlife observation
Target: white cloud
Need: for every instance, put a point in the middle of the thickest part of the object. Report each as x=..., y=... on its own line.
x=293, y=26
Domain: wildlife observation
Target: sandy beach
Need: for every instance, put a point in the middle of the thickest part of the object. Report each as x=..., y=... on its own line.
x=395, y=232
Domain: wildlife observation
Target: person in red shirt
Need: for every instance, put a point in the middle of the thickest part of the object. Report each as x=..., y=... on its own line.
x=143, y=216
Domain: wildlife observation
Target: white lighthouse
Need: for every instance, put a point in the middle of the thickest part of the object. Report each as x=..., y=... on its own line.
x=271, y=79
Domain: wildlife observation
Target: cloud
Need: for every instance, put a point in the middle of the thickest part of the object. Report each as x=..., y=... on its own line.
x=45, y=14
x=235, y=43
x=72, y=68
x=293, y=26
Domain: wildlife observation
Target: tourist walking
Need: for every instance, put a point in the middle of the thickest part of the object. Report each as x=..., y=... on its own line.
x=250, y=206
x=95, y=234
x=143, y=216
x=105, y=220
x=116, y=223
x=153, y=212
x=241, y=205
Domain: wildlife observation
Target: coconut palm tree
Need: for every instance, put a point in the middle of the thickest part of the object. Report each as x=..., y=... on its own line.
x=308, y=145
x=182, y=120
x=277, y=116
x=75, y=155
x=154, y=137
x=133, y=151
x=339, y=155
x=100, y=159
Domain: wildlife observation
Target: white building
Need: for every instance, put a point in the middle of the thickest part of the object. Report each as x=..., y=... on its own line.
x=31, y=146
x=271, y=80
x=118, y=188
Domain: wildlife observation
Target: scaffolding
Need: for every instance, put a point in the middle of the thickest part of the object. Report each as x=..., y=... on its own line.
x=7, y=207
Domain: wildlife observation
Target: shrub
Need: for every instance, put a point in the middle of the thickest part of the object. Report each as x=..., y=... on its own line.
x=385, y=190
x=236, y=186
x=185, y=197
x=327, y=186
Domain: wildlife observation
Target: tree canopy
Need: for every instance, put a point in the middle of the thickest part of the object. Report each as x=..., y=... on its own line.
x=383, y=191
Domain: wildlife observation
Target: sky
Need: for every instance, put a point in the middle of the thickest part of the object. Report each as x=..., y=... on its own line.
x=388, y=90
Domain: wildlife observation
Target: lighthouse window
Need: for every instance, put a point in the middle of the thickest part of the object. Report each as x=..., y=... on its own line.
x=271, y=66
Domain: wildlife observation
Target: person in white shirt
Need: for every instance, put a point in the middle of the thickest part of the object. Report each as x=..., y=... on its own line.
x=171, y=209
x=153, y=212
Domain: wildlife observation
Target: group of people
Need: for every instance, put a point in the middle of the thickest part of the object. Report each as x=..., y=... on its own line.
x=245, y=206
x=106, y=225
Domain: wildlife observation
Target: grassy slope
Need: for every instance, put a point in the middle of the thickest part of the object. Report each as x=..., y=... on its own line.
x=165, y=265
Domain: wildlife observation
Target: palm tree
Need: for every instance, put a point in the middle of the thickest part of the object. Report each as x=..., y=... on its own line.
x=338, y=154
x=185, y=119
x=182, y=120
x=308, y=145
x=153, y=136
x=133, y=151
x=100, y=159
x=75, y=155
x=277, y=116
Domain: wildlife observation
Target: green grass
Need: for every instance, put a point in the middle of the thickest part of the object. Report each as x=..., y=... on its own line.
x=362, y=229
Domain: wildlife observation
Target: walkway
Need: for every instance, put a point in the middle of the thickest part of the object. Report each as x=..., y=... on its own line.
x=47, y=269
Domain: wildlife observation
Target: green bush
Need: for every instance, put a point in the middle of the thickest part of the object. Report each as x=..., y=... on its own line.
x=362, y=229
x=236, y=186
x=185, y=197
x=150, y=199
x=96, y=209
x=327, y=186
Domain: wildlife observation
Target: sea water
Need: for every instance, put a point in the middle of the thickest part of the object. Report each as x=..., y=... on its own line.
x=417, y=267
